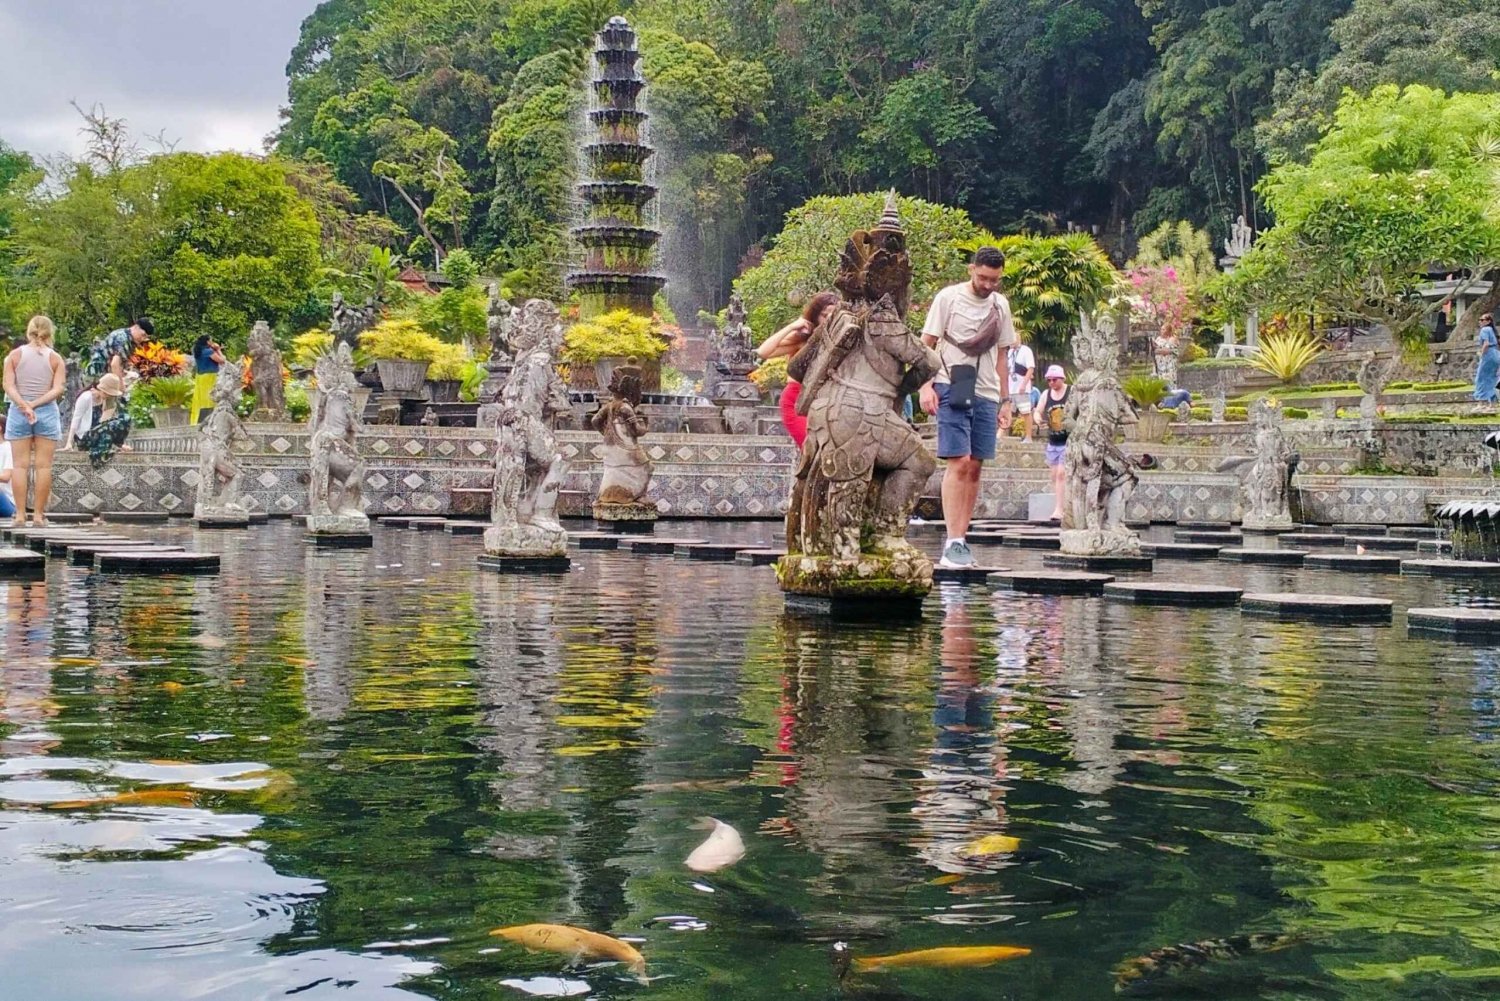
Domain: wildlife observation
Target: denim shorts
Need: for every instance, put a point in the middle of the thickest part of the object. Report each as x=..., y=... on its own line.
x=966, y=433
x=48, y=423
x=1056, y=455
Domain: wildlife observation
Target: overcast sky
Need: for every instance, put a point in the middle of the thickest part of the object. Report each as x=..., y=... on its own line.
x=210, y=74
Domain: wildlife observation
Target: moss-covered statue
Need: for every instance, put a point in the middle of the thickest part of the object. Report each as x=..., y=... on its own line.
x=863, y=467
x=221, y=498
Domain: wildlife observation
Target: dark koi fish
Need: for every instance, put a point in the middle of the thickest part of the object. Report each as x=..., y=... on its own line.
x=1174, y=959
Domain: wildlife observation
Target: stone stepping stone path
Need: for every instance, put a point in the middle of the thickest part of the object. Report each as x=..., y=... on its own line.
x=1265, y=557
x=1414, y=531
x=1450, y=568
x=1164, y=593
x=718, y=552
x=1180, y=550
x=759, y=557
x=589, y=540
x=71, y=519
x=661, y=547
x=992, y=536
x=82, y=554
x=127, y=561
x=62, y=545
x=21, y=563
x=1222, y=538
x=1368, y=563
x=1025, y=540
x=1459, y=623
x=465, y=527
x=1205, y=526
x=1349, y=529
x=1300, y=539
x=965, y=575
x=135, y=517
x=1434, y=546
x=340, y=540
x=427, y=524
x=1385, y=543
x=260, y=518
x=525, y=564
x=1097, y=564
x=1331, y=608
x=1052, y=582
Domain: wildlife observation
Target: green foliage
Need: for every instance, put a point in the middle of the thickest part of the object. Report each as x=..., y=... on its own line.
x=170, y=391
x=403, y=339
x=1287, y=354
x=1050, y=281
x=472, y=378
x=298, y=403
x=451, y=363
x=308, y=347
x=460, y=268
x=618, y=334
x=1144, y=389
x=804, y=258
x=453, y=315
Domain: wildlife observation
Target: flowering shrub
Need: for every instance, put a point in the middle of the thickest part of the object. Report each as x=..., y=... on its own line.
x=1162, y=300
x=770, y=375
x=154, y=360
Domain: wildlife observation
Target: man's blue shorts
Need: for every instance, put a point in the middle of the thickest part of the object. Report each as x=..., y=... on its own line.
x=966, y=433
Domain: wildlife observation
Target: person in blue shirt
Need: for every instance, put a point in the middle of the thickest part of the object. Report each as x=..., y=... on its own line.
x=1488, y=371
x=207, y=357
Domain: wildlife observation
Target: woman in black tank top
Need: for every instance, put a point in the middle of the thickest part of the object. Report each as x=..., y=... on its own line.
x=1049, y=418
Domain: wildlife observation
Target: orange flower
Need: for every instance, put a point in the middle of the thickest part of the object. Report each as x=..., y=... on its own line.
x=154, y=360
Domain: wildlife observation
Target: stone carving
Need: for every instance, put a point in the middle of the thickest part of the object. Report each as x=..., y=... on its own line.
x=627, y=470
x=1374, y=375
x=499, y=317
x=429, y=418
x=1266, y=476
x=863, y=467
x=336, y=488
x=1241, y=235
x=1164, y=353
x=347, y=322
x=1100, y=476
x=221, y=500
x=1218, y=403
x=1330, y=409
x=731, y=361
x=529, y=470
x=265, y=375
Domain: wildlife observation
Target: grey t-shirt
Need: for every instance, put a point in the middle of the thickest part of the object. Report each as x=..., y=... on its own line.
x=958, y=312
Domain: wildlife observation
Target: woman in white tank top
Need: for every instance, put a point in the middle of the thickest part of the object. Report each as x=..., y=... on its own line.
x=34, y=377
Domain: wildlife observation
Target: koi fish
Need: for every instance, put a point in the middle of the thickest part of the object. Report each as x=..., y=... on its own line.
x=942, y=958
x=171, y=687
x=723, y=847
x=138, y=797
x=992, y=844
x=1174, y=959
x=576, y=942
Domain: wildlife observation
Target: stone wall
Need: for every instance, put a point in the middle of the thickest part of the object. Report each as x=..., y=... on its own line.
x=442, y=470
x=1444, y=362
x=1392, y=446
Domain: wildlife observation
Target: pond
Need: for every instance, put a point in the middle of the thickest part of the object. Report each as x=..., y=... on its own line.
x=332, y=774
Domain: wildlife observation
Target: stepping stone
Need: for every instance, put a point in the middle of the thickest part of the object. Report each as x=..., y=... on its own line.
x=1450, y=568
x=83, y=554
x=627, y=526
x=993, y=537
x=1265, y=557
x=1414, y=531
x=1369, y=563
x=1332, y=608
x=1460, y=623
x=1205, y=526
x=1248, y=530
x=16, y=563
x=135, y=517
x=223, y=522
x=1180, y=550
x=63, y=546
x=1349, y=529
x=39, y=542
x=338, y=540
x=259, y=517
x=759, y=557
x=965, y=575
x=1163, y=593
x=1382, y=542
x=465, y=527
x=718, y=552
x=83, y=518
x=394, y=521
x=427, y=524
x=155, y=562
x=1222, y=538
x=1310, y=539
x=583, y=541
x=1434, y=546
x=525, y=564
x=1052, y=582
x=1025, y=541
x=1097, y=564
x=846, y=609
x=661, y=547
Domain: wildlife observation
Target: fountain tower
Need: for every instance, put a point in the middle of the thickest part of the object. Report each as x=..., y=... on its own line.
x=617, y=239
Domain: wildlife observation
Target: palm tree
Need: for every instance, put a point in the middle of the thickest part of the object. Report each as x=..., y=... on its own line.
x=1050, y=280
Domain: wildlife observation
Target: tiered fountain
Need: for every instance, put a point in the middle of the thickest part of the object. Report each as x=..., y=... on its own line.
x=619, y=245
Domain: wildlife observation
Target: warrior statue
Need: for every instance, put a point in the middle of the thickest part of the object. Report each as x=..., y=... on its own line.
x=529, y=470
x=1100, y=476
x=498, y=321
x=627, y=470
x=347, y=322
x=863, y=467
x=1266, y=476
x=265, y=375
x=335, y=491
x=220, y=497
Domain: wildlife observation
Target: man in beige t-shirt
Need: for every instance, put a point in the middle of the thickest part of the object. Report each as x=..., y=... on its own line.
x=968, y=324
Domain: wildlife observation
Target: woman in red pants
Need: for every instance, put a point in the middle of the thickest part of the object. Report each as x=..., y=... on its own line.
x=785, y=343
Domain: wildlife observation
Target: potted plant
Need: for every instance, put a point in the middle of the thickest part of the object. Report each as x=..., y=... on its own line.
x=169, y=397
x=446, y=375
x=592, y=348
x=402, y=352
x=1146, y=391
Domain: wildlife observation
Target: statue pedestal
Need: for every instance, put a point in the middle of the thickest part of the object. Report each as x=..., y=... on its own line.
x=496, y=563
x=345, y=531
x=640, y=518
x=873, y=586
x=222, y=519
x=525, y=549
x=737, y=397
x=1274, y=523
x=1098, y=542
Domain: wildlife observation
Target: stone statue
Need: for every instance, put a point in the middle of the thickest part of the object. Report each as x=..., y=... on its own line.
x=1266, y=477
x=347, y=322
x=1374, y=375
x=429, y=418
x=1240, y=237
x=1100, y=476
x=863, y=467
x=265, y=375
x=1164, y=353
x=336, y=489
x=498, y=320
x=529, y=470
x=627, y=470
x=732, y=359
x=221, y=499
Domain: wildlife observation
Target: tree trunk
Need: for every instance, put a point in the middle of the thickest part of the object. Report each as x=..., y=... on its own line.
x=1468, y=327
x=438, y=250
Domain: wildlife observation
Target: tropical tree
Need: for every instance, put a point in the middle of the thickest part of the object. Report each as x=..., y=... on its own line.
x=1050, y=281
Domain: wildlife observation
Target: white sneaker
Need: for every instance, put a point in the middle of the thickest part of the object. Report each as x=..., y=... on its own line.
x=957, y=556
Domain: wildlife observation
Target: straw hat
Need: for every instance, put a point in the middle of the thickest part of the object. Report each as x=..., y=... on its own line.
x=110, y=385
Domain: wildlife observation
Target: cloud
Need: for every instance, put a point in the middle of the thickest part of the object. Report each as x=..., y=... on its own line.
x=206, y=74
